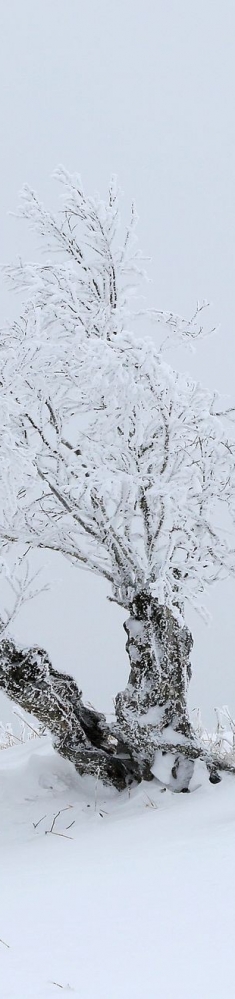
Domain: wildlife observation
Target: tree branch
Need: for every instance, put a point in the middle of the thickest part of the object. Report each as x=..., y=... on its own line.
x=79, y=733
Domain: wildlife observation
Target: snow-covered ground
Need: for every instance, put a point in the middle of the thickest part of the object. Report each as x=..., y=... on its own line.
x=134, y=899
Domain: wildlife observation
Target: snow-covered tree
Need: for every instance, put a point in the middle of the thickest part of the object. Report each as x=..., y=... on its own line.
x=114, y=459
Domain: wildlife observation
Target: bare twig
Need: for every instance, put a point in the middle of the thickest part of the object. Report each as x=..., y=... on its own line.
x=52, y=830
x=36, y=824
x=4, y=943
x=63, y=835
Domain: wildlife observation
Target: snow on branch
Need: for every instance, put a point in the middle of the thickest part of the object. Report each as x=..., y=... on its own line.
x=180, y=331
x=108, y=454
x=21, y=586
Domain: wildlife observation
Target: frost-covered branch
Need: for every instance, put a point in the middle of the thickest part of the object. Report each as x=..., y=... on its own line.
x=180, y=331
x=21, y=585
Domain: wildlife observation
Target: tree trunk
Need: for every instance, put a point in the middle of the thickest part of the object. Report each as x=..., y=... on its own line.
x=152, y=710
x=152, y=726
x=118, y=755
x=79, y=733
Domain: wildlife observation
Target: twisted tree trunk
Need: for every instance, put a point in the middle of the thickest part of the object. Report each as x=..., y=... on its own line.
x=79, y=733
x=152, y=719
x=152, y=710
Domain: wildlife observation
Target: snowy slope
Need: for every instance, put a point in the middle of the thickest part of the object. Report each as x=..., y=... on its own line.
x=137, y=904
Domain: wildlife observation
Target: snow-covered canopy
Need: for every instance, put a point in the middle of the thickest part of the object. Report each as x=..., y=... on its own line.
x=108, y=455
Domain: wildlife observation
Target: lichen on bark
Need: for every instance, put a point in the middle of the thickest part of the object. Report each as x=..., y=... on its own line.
x=154, y=701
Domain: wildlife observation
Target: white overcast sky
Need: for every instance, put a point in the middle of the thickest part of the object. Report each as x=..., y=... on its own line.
x=144, y=89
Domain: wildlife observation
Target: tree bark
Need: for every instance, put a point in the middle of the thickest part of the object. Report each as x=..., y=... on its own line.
x=79, y=733
x=152, y=710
